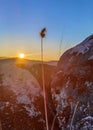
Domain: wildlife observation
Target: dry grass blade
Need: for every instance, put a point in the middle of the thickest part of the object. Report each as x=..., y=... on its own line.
x=53, y=123
x=75, y=109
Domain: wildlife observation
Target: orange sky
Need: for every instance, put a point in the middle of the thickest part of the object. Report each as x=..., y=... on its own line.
x=12, y=47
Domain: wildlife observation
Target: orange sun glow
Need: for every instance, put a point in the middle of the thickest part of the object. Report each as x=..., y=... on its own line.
x=21, y=55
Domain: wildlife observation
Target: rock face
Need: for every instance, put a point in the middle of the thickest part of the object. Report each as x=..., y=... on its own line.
x=21, y=99
x=21, y=95
x=72, y=87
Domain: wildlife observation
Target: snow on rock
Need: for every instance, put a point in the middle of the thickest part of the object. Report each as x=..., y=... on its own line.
x=24, y=99
x=32, y=111
x=90, y=58
x=20, y=80
x=72, y=87
x=21, y=98
x=88, y=118
x=21, y=95
x=83, y=47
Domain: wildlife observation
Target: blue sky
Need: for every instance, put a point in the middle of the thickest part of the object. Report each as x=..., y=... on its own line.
x=21, y=21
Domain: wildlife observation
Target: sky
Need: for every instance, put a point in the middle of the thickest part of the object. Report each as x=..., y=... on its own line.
x=68, y=22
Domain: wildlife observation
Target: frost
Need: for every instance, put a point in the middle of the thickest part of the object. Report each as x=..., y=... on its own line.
x=88, y=118
x=41, y=120
x=82, y=47
x=20, y=81
x=7, y=103
x=67, y=83
x=32, y=111
x=90, y=58
x=23, y=99
x=88, y=84
x=60, y=71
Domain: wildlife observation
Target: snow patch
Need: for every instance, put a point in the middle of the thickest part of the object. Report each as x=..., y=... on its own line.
x=20, y=81
x=88, y=118
x=82, y=48
x=23, y=99
x=88, y=84
x=31, y=111
x=90, y=58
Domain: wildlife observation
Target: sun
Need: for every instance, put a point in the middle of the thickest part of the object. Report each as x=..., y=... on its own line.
x=21, y=55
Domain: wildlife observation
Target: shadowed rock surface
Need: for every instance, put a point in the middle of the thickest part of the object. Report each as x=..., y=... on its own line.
x=72, y=87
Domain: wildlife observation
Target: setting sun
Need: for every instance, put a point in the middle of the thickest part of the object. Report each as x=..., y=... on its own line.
x=21, y=55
